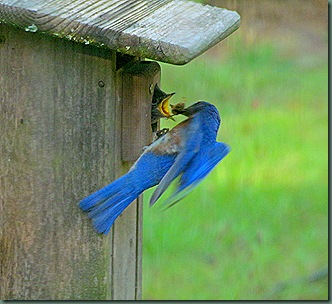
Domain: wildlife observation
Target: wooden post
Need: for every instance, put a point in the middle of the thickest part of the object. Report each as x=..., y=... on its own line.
x=135, y=83
x=61, y=110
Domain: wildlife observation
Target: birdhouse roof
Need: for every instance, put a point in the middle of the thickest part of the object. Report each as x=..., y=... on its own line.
x=173, y=31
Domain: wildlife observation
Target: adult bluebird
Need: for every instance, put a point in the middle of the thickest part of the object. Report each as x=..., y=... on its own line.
x=188, y=151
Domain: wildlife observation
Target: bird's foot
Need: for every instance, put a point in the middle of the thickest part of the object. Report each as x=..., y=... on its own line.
x=160, y=133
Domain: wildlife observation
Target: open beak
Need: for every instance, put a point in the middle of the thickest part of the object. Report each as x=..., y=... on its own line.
x=164, y=106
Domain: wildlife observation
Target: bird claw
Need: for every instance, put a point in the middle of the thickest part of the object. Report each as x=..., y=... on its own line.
x=160, y=133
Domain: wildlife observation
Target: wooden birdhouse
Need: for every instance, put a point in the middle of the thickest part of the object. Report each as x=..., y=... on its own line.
x=75, y=105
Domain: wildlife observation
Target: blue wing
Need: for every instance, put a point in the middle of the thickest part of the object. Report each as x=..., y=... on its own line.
x=191, y=141
x=198, y=168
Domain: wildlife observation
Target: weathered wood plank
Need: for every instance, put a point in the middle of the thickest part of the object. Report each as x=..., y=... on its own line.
x=138, y=82
x=134, y=96
x=173, y=31
x=59, y=141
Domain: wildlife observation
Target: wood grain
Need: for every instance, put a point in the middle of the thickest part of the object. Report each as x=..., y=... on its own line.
x=134, y=110
x=60, y=140
x=138, y=81
x=173, y=31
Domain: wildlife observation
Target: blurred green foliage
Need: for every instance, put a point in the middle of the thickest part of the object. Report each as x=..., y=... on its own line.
x=261, y=217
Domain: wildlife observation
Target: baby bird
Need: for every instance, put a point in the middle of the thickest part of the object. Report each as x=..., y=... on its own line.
x=160, y=106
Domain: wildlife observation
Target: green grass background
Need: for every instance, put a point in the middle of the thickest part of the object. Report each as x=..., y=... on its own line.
x=261, y=217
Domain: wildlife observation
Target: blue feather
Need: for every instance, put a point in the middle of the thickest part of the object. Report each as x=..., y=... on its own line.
x=199, y=167
x=105, y=205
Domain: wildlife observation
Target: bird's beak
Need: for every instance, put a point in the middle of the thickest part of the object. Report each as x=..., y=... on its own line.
x=164, y=107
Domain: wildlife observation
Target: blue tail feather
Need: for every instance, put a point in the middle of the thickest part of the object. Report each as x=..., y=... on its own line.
x=100, y=195
x=105, y=205
x=104, y=220
x=109, y=202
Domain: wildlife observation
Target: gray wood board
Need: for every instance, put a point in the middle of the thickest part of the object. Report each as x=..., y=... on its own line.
x=57, y=145
x=61, y=111
x=173, y=31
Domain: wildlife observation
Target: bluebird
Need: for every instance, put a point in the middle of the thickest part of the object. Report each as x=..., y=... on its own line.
x=160, y=106
x=188, y=151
